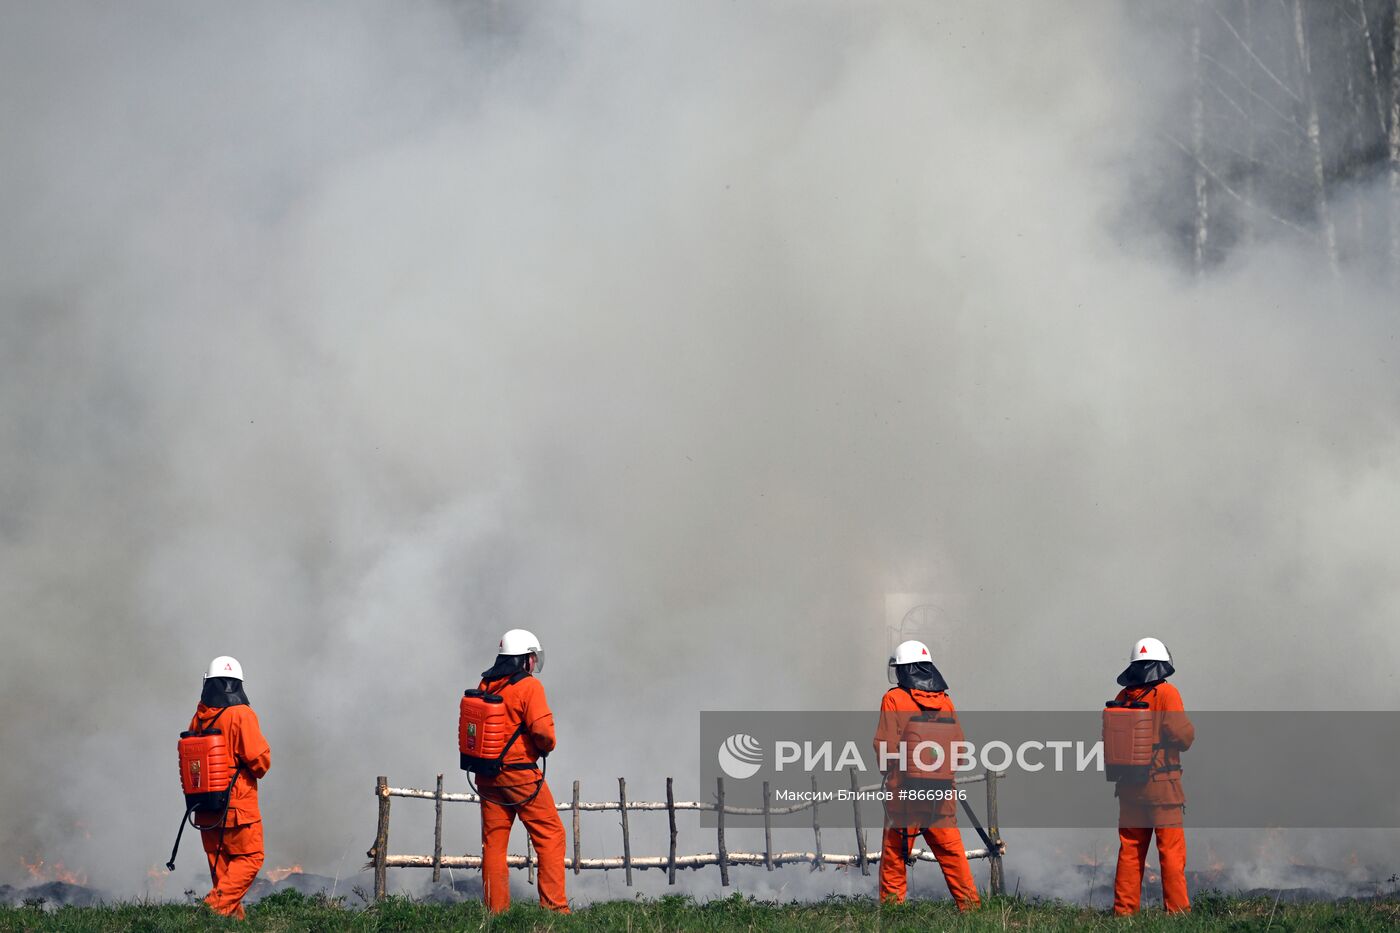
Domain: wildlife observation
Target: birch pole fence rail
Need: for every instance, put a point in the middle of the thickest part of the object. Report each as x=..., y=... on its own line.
x=381, y=860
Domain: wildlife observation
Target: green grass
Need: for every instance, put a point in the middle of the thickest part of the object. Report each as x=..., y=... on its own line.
x=288, y=910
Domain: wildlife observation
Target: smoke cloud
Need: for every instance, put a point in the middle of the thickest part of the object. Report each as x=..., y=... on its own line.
x=341, y=338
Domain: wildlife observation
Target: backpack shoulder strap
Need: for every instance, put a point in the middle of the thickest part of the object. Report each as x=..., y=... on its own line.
x=1142, y=695
x=206, y=728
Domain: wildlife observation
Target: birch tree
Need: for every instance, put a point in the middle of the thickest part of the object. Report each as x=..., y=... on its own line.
x=1394, y=147
x=1314, y=133
x=1251, y=132
x=1372, y=66
x=1198, y=134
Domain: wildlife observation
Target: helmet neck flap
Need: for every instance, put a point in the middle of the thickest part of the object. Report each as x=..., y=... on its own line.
x=921, y=675
x=507, y=665
x=223, y=691
x=1142, y=673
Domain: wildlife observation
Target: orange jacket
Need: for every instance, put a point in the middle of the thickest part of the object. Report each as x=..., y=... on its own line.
x=897, y=707
x=245, y=741
x=525, y=703
x=1163, y=788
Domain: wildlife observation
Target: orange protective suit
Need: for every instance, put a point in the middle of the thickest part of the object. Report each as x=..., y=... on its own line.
x=905, y=822
x=235, y=850
x=503, y=796
x=1155, y=806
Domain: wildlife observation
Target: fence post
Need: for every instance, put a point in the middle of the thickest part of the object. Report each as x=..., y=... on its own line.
x=723, y=853
x=996, y=879
x=529, y=861
x=381, y=839
x=861, y=859
x=578, y=848
x=626, y=839
x=437, y=835
x=767, y=829
x=671, y=812
x=816, y=825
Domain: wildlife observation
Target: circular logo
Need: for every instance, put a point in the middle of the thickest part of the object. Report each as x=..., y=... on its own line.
x=740, y=756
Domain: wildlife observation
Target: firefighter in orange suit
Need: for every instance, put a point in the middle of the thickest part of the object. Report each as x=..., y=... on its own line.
x=919, y=688
x=234, y=849
x=1158, y=804
x=519, y=789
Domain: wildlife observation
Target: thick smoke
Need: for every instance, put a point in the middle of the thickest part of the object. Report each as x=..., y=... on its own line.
x=340, y=338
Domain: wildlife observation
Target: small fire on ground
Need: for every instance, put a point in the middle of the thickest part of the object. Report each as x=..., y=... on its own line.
x=278, y=874
x=41, y=871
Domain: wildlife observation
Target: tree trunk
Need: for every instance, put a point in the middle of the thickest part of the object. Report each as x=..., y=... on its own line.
x=1372, y=65
x=1395, y=148
x=1198, y=132
x=1356, y=98
x=1251, y=140
x=1314, y=130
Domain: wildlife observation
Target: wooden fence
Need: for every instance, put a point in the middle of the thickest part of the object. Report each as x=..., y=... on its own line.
x=818, y=858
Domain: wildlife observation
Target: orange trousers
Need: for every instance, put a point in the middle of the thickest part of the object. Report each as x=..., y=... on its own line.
x=947, y=846
x=234, y=862
x=1136, y=826
x=546, y=830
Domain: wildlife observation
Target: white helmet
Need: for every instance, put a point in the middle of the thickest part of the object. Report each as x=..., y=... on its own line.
x=1150, y=649
x=908, y=652
x=518, y=641
x=225, y=666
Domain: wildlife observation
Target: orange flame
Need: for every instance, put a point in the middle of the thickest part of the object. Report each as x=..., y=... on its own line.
x=40, y=872
x=277, y=874
x=156, y=874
